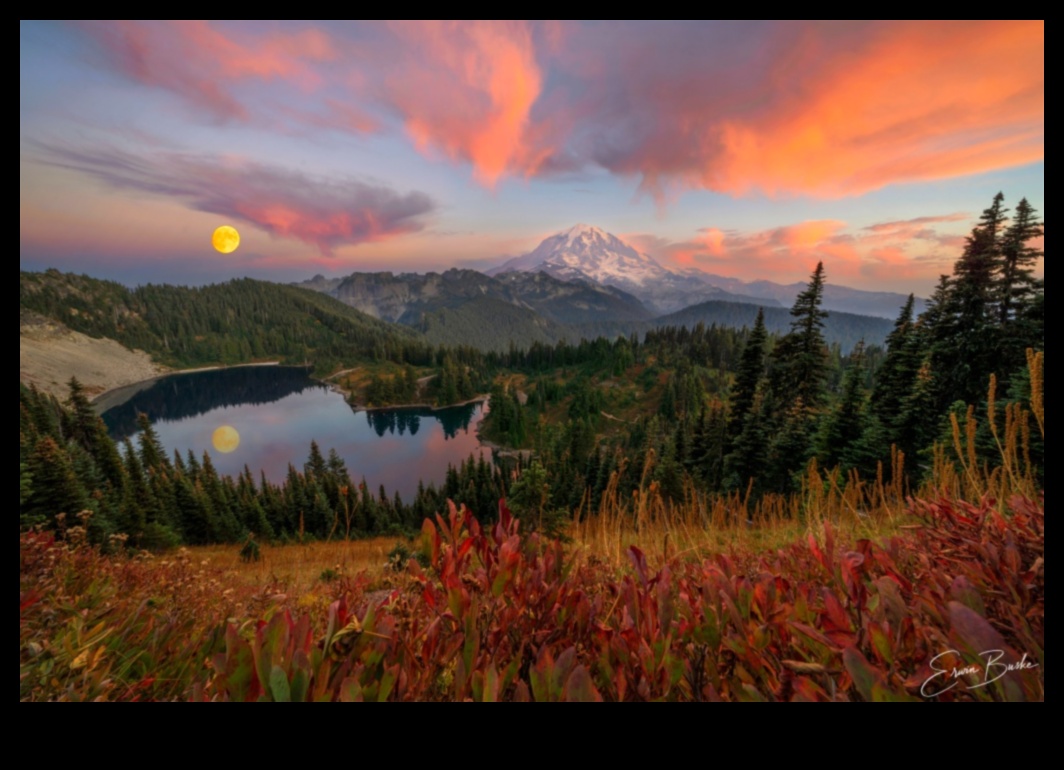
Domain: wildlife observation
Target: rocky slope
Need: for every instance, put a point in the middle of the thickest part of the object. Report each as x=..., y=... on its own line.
x=50, y=354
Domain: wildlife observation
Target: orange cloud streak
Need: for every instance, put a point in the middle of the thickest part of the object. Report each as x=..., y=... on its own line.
x=846, y=111
x=467, y=89
x=818, y=108
x=896, y=251
x=924, y=102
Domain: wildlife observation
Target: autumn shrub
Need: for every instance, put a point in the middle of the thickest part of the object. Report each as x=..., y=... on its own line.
x=498, y=617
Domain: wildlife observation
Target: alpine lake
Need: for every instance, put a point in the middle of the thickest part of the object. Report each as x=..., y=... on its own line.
x=265, y=418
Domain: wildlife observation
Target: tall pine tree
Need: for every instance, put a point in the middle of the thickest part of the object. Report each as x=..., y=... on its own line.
x=751, y=370
x=800, y=362
x=847, y=423
x=965, y=335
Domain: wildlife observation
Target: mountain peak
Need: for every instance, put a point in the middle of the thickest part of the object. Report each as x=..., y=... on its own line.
x=585, y=252
x=578, y=230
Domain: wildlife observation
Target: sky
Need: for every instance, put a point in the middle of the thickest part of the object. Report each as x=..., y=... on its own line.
x=746, y=149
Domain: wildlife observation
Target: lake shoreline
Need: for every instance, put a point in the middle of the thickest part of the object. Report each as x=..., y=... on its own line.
x=482, y=399
x=113, y=397
x=118, y=395
x=278, y=412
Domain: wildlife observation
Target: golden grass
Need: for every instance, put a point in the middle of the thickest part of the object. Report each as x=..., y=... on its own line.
x=702, y=525
x=855, y=509
x=298, y=567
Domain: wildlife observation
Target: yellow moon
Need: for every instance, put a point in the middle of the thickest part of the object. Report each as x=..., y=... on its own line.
x=226, y=440
x=226, y=239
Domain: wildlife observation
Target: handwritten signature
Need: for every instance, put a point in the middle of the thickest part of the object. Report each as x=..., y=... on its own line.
x=993, y=670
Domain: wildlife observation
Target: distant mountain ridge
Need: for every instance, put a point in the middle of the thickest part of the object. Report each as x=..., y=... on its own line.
x=582, y=283
x=841, y=299
x=589, y=254
x=843, y=329
x=407, y=297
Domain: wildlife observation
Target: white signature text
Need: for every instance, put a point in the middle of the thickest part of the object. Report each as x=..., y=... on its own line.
x=975, y=677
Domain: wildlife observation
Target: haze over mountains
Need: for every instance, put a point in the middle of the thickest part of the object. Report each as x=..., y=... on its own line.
x=586, y=282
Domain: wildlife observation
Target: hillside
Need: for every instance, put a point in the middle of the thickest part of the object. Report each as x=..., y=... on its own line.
x=231, y=323
x=489, y=324
x=410, y=299
x=844, y=329
x=50, y=354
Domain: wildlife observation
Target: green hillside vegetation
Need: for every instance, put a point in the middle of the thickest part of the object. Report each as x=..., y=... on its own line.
x=233, y=323
x=489, y=324
x=843, y=329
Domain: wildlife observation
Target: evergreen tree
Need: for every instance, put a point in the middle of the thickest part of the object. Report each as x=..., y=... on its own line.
x=799, y=362
x=847, y=423
x=152, y=454
x=749, y=456
x=25, y=485
x=56, y=488
x=132, y=517
x=1021, y=297
x=896, y=376
x=316, y=468
x=531, y=500
x=1017, y=284
x=706, y=462
x=196, y=516
x=798, y=371
x=965, y=336
x=791, y=449
x=81, y=418
x=226, y=523
x=918, y=423
x=751, y=370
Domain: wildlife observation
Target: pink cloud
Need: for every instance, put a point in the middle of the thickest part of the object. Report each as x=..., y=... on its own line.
x=327, y=213
x=820, y=108
x=919, y=222
x=202, y=63
x=816, y=108
x=909, y=250
x=466, y=89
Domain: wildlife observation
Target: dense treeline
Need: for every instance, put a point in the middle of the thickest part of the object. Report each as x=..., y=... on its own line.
x=746, y=412
x=452, y=381
x=69, y=464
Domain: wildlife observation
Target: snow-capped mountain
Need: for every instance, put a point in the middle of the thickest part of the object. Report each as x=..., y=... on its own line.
x=586, y=252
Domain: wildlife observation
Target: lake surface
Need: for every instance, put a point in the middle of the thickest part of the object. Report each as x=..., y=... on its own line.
x=266, y=418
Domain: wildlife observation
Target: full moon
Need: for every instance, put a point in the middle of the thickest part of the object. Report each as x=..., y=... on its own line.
x=226, y=239
x=226, y=440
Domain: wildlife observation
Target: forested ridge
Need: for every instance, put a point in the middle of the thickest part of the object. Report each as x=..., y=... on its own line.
x=232, y=323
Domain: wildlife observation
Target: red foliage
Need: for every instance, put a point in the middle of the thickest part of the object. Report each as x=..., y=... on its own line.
x=499, y=617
